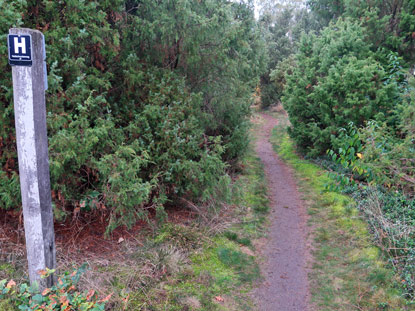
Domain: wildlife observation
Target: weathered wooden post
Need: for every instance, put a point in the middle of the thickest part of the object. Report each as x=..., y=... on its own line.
x=27, y=56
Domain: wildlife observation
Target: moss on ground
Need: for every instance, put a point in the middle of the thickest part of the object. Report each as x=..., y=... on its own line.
x=6, y=305
x=349, y=272
x=189, y=266
x=220, y=268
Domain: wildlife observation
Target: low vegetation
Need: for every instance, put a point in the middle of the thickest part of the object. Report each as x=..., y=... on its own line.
x=349, y=93
x=349, y=271
x=203, y=262
x=62, y=296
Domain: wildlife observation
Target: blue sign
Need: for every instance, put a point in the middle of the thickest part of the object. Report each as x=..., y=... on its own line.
x=20, y=50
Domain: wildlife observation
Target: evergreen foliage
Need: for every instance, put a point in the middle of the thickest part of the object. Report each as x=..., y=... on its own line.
x=147, y=101
x=279, y=75
x=389, y=155
x=279, y=47
x=327, y=10
x=337, y=80
x=389, y=24
x=389, y=35
x=351, y=94
x=282, y=24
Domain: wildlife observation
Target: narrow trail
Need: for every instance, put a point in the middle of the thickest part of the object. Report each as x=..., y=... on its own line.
x=285, y=286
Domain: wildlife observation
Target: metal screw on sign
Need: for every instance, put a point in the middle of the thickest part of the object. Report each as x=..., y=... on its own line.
x=27, y=57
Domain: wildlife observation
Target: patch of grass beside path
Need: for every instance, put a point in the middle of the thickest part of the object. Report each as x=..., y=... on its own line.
x=203, y=263
x=205, y=268
x=349, y=272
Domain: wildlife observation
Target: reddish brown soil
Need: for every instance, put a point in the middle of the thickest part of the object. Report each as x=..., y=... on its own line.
x=80, y=239
x=285, y=285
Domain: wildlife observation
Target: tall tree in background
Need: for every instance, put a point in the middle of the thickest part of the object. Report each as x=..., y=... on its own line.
x=327, y=10
x=273, y=8
x=389, y=23
x=282, y=24
x=276, y=31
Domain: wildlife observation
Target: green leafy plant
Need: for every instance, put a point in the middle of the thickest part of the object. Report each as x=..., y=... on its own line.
x=62, y=296
x=388, y=154
x=348, y=155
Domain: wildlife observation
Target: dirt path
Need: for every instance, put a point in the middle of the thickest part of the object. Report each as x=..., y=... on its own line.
x=285, y=286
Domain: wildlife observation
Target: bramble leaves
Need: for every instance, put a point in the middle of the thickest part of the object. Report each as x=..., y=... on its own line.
x=62, y=296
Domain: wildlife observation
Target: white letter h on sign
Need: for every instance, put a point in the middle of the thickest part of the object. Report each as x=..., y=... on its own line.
x=18, y=45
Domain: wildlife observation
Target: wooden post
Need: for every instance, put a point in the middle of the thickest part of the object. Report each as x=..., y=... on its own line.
x=32, y=147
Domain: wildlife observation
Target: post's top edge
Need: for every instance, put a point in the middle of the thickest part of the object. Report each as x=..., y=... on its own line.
x=17, y=31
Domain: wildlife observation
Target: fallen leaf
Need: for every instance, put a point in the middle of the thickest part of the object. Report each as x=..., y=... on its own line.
x=90, y=294
x=64, y=300
x=46, y=291
x=11, y=284
x=106, y=298
x=247, y=251
x=219, y=298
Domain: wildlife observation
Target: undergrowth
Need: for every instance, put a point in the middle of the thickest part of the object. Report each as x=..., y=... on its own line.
x=392, y=218
x=62, y=296
x=349, y=272
x=204, y=263
x=209, y=265
x=382, y=194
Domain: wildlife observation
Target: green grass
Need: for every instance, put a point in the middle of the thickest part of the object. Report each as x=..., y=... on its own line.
x=6, y=305
x=188, y=266
x=349, y=272
x=220, y=264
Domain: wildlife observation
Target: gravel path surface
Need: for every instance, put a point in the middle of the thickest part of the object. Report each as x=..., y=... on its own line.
x=285, y=285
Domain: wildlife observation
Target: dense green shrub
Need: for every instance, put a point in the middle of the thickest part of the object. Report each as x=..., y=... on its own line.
x=279, y=74
x=388, y=24
x=380, y=152
x=147, y=102
x=336, y=81
x=389, y=155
